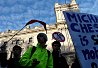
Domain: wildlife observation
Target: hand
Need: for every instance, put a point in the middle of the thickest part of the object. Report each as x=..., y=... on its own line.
x=35, y=62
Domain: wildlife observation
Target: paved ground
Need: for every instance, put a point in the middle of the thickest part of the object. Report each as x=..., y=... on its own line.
x=6, y=67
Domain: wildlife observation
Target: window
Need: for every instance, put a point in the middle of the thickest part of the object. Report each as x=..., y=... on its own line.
x=17, y=42
x=30, y=39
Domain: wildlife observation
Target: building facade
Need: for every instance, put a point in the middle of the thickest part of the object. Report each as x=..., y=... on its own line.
x=28, y=36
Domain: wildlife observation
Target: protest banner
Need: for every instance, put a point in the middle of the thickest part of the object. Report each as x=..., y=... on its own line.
x=58, y=36
x=83, y=29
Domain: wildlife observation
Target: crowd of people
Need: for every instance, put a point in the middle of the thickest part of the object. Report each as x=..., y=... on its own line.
x=35, y=57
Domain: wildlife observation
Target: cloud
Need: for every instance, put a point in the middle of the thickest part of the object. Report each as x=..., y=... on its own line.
x=18, y=9
x=88, y=6
x=4, y=10
x=2, y=2
x=94, y=9
x=10, y=2
x=15, y=14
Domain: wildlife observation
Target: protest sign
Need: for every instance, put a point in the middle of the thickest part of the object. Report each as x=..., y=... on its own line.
x=58, y=36
x=83, y=29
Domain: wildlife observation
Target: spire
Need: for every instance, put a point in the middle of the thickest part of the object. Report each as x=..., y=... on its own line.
x=74, y=5
x=73, y=2
x=28, y=27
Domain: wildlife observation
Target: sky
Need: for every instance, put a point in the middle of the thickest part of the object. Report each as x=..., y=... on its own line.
x=14, y=14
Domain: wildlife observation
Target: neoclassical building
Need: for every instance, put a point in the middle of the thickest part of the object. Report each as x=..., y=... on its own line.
x=28, y=36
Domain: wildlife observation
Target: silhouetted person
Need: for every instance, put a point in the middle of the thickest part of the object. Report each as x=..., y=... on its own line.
x=13, y=61
x=76, y=63
x=37, y=57
x=58, y=60
x=3, y=55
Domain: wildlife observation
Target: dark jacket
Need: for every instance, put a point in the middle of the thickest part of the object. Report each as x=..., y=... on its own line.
x=76, y=64
x=3, y=59
x=59, y=61
x=13, y=63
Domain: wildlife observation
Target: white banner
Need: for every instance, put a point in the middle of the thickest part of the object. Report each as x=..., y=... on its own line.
x=83, y=29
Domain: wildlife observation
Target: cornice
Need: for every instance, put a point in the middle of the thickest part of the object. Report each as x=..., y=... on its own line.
x=26, y=31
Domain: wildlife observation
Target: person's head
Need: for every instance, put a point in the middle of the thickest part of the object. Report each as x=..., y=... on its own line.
x=17, y=50
x=42, y=38
x=56, y=45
